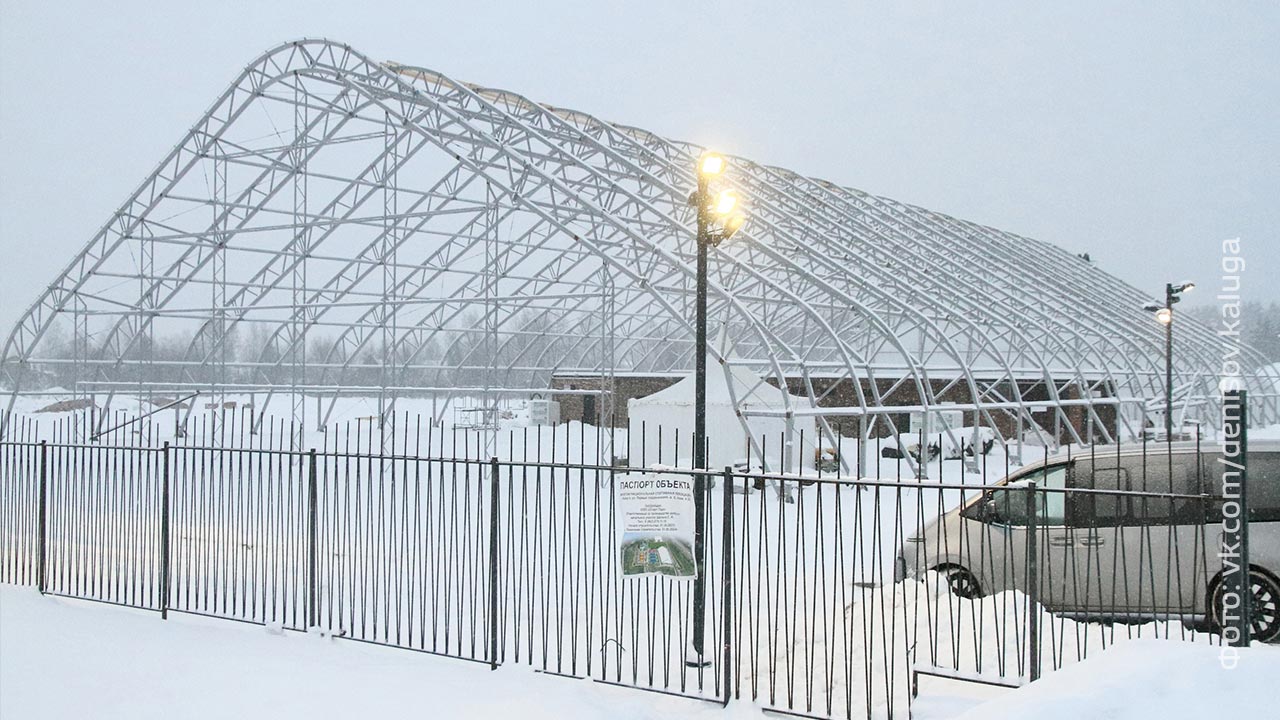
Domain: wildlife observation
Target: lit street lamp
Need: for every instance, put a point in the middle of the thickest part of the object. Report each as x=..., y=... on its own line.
x=1164, y=316
x=717, y=222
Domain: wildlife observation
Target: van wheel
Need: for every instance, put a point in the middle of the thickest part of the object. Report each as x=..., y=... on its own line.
x=962, y=583
x=1265, y=609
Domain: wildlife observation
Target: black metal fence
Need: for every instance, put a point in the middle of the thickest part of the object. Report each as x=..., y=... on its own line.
x=828, y=593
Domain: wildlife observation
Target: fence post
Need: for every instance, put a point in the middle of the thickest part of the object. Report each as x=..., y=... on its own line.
x=493, y=563
x=313, y=614
x=42, y=529
x=1236, y=627
x=1246, y=606
x=726, y=580
x=164, y=532
x=1033, y=586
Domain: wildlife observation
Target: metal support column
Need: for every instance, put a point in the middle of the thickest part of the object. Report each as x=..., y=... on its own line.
x=700, y=431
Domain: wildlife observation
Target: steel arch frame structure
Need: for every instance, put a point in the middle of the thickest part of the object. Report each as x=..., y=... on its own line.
x=338, y=225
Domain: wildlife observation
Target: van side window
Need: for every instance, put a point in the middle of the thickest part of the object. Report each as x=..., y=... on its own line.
x=1156, y=474
x=1263, y=486
x=1159, y=473
x=1098, y=509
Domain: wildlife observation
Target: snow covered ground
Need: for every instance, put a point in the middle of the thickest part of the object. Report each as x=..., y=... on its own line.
x=1140, y=680
x=69, y=659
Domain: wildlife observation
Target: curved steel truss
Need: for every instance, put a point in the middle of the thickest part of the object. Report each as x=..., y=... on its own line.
x=335, y=224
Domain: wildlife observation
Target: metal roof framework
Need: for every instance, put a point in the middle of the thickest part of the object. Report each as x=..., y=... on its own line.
x=334, y=224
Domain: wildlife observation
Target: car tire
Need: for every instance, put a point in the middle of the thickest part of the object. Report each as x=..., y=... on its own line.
x=961, y=582
x=1265, y=623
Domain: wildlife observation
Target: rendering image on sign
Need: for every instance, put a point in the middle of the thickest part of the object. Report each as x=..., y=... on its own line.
x=657, y=519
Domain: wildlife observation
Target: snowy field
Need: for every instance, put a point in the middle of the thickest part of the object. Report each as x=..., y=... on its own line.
x=418, y=418
x=70, y=659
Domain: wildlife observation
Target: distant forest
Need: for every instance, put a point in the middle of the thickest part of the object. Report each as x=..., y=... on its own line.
x=1259, y=325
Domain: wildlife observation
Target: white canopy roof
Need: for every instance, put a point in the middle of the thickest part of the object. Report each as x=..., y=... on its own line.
x=750, y=390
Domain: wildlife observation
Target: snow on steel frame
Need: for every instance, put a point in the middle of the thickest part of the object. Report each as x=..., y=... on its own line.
x=335, y=224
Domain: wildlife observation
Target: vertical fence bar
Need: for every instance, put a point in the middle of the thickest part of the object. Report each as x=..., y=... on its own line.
x=42, y=529
x=726, y=579
x=1033, y=586
x=313, y=612
x=493, y=563
x=164, y=532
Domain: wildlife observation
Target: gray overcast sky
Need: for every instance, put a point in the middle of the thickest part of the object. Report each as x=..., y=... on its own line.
x=1142, y=133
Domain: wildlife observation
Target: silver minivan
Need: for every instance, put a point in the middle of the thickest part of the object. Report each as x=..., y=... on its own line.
x=1112, y=556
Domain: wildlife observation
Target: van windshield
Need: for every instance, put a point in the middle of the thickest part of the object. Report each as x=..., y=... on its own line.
x=1010, y=507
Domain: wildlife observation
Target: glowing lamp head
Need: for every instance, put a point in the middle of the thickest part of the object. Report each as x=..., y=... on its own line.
x=733, y=225
x=1164, y=316
x=725, y=202
x=711, y=165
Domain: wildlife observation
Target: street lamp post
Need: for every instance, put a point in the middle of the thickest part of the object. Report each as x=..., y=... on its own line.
x=716, y=223
x=1164, y=315
x=1169, y=299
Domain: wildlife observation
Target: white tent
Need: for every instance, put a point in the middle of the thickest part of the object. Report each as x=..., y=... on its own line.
x=661, y=424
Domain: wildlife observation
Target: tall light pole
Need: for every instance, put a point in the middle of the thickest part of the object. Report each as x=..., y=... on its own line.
x=1164, y=316
x=717, y=222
